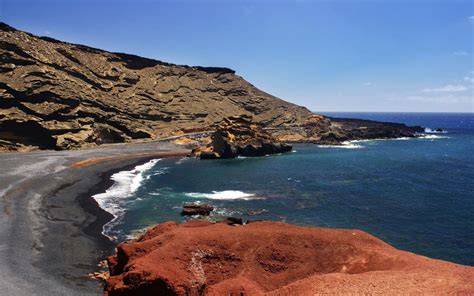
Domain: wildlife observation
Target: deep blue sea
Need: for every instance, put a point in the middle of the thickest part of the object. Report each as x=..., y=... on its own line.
x=416, y=194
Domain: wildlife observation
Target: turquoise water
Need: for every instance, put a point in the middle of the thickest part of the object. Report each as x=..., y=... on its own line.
x=416, y=194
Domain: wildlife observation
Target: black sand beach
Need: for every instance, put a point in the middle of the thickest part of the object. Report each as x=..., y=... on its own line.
x=50, y=233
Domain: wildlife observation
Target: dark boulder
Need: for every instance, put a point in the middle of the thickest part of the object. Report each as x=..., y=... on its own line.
x=197, y=209
x=232, y=221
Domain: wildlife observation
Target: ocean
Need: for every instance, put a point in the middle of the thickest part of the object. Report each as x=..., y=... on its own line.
x=415, y=194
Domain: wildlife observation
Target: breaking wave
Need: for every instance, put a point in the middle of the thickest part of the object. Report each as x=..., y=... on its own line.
x=114, y=199
x=344, y=145
x=433, y=137
x=223, y=195
x=431, y=131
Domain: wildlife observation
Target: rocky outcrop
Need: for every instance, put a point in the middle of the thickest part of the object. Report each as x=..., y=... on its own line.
x=238, y=135
x=333, y=131
x=271, y=258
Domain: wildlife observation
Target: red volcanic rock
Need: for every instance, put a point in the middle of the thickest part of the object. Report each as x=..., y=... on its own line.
x=201, y=258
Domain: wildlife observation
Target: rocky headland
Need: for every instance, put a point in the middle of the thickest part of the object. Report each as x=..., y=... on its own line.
x=272, y=258
x=59, y=96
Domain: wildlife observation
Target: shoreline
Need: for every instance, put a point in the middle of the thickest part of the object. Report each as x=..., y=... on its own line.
x=51, y=234
x=54, y=239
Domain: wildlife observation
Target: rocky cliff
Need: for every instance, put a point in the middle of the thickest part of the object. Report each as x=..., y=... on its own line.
x=271, y=258
x=58, y=95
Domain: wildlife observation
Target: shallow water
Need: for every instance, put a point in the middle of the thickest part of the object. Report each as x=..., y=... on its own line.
x=416, y=194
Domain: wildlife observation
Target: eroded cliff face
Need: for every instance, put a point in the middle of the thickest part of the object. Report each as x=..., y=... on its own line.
x=271, y=258
x=57, y=95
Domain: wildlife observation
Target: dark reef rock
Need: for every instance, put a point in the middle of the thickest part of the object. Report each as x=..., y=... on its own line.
x=271, y=258
x=196, y=209
x=238, y=135
x=344, y=129
x=232, y=221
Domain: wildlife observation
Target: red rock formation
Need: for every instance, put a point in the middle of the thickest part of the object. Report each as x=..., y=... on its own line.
x=200, y=258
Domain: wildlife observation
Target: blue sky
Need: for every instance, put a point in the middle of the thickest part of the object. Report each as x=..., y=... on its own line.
x=378, y=55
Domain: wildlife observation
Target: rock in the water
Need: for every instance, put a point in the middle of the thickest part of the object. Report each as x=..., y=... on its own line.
x=232, y=221
x=238, y=135
x=197, y=209
x=271, y=258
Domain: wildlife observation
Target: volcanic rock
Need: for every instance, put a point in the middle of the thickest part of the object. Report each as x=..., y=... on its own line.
x=201, y=258
x=232, y=221
x=58, y=95
x=197, y=209
x=238, y=135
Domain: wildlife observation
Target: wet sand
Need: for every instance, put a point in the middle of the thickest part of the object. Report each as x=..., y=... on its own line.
x=50, y=231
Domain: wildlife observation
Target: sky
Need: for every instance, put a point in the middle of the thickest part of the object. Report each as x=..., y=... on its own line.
x=339, y=55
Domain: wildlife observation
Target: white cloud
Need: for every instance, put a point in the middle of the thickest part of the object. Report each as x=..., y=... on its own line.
x=460, y=53
x=469, y=79
x=445, y=89
x=445, y=99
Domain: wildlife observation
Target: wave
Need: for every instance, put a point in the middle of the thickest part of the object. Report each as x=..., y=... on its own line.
x=344, y=145
x=183, y=159
x=224, y=195
x=113, y=200
x=430, y=131
x=432, y=137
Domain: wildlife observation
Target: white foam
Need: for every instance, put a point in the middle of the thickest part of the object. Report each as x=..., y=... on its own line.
x=224, y=195
x=432, y=137
x=344, y=145
x=126, y=183
x=430, y=131
x=181, y=160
